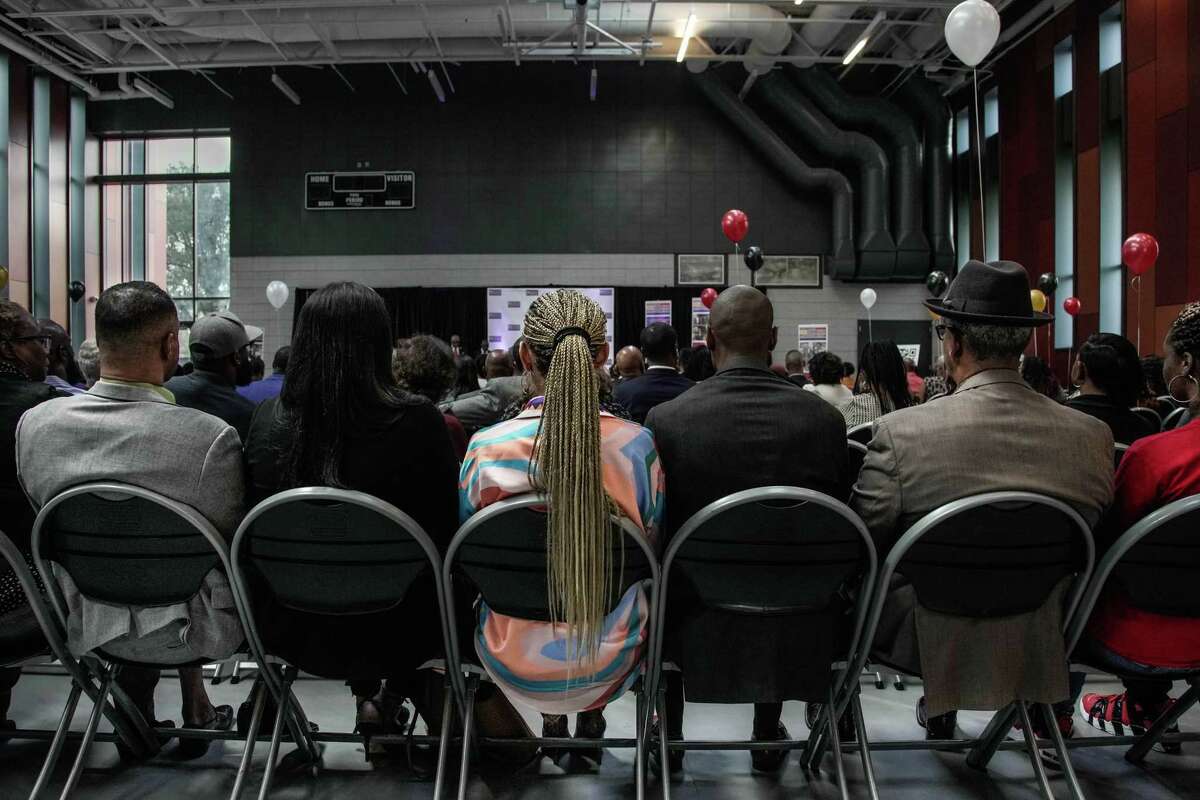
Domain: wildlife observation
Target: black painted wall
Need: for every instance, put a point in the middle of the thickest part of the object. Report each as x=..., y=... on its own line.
x=518, y=160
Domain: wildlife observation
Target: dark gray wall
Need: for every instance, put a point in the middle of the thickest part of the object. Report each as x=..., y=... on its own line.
x=518, y=160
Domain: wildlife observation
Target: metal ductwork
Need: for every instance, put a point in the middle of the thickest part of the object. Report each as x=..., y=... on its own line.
x=931, y=111
x=840, y=260
x=896, y=130
x=876, y=248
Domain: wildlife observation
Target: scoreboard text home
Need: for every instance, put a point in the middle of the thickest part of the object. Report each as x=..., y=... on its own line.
x=325, y=191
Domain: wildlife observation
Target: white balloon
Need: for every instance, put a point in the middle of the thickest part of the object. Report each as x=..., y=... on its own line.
x=277, y=294
x=867, y=297
x=972, y=29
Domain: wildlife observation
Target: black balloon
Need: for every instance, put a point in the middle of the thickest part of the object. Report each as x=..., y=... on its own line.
x=1047, y=282
x=936, y=282
x=76, y=291
x=754, y=258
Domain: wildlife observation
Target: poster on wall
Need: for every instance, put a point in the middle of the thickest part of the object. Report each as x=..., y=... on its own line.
x=506, y=309
x=658, y=311
x=910, y=352
x=812, y=338
x=699, y=323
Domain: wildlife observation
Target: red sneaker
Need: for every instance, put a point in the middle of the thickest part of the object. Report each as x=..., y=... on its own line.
x=1114, y=713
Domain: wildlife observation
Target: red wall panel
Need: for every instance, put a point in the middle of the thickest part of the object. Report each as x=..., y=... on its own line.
x=1141, y=38
x=1171, y=285
x=1172, y=59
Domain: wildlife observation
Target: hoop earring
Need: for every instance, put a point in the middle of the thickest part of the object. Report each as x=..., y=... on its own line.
x=1171, y=388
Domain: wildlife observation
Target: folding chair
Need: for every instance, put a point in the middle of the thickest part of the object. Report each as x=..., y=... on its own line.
x=961, y=559
x=122, y=545
x=1150, y=415
x=783, y=552
x=1118, y=453
x=862, y=433
x=501, y=551
x=1171, y=421
x=331, y=552
x=1157, y=565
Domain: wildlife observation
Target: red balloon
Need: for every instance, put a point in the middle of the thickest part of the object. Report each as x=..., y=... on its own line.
x=708, y=297
x=1072, y=305
x=735, y=224
x=1140, y=252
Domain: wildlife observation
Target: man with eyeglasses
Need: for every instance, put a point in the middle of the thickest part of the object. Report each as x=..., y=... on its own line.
x=24, y=358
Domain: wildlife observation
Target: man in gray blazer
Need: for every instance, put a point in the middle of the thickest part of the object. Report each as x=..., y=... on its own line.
x=993, y=433
x=128, y=429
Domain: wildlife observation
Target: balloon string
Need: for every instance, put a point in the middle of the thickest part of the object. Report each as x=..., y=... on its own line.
x=1137, y=314
x=979, y=162
x=870, y=328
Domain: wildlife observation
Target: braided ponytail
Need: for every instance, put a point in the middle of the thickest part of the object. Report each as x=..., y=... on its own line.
x=1184, y=333
x=565, y=330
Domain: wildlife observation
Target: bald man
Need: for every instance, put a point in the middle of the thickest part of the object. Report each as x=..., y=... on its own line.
x=628, y=364
x=743, y=428
x=498, y=364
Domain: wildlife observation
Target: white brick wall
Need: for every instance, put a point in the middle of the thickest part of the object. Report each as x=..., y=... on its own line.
x=835, y=303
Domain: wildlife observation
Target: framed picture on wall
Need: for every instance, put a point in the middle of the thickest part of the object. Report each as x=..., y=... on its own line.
x=700, y=270
x=793, y=272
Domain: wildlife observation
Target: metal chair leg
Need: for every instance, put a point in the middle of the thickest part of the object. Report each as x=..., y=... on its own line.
x=814, y=748
x=1137, y=753
x=989, y=741
x=89, y=734
x=836, y=743
x=860, y=727
x=639, y=750
x=664, y=751
x=464, y=767
x=1031, y=745
x=439, y=781
x=1060, y=747
x=259, y=691
x=276, y=735
x=56, y=744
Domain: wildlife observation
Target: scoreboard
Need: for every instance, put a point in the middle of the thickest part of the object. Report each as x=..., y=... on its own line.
x=326, y=191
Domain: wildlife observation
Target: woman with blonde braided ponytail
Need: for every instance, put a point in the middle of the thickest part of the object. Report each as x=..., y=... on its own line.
x=591, y=464
x=1155, y=470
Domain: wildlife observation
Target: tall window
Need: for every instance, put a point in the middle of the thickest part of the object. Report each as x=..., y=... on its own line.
x=962, y=185
x=1112, y=172
x=1064, y=188
x=165, y=214
x=991, y=175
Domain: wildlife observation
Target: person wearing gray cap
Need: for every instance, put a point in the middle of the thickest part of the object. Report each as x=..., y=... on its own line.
x=220, y=348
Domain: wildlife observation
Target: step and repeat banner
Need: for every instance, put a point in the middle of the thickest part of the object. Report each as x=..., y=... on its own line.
x=506, y=309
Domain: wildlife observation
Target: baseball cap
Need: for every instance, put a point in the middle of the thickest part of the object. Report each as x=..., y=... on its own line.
x=220, y=334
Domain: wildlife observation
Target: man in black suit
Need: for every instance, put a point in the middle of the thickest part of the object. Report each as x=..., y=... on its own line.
x=743, y=428
x=662, y=381
x=795, y=363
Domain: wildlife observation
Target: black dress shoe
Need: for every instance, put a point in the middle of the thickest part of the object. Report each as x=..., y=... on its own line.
x=846, y=730
x=554, y=726
x=769, y=760
x=940, y=727
x=674, y=757
x=590, y=725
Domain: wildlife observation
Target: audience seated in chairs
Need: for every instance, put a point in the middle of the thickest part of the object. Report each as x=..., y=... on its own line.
x=1155, y=471
x=699, y=365
x=916, y=384
x=133, y=433
x=341, y=421
x=937, y=384
x=588, y=462
x=1039, y=377
x=220, y=348
x=24, y=358
x=483, y=407
x=661, y=382
x=427, y=370
x=849, y=375
x=794, y=365
x=882, y=385
x=1110, y=380
x=89, y=362
x=628, y=364
x=271, y=385
x=63, y=372
x=768, y=432
x=994, y=434
x=826, y=371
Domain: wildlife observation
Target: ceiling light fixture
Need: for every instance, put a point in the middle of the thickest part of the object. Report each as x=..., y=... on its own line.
x=688, y=28
x=861, y=44
x=437, y=86
x=595, y=79
x=288, y=91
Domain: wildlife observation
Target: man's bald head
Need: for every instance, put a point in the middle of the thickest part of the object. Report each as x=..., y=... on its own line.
x=498, y=365
x=629, y=362
x=742, y=324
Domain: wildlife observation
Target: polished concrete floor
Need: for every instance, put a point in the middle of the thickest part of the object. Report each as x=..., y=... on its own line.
x=38, y=699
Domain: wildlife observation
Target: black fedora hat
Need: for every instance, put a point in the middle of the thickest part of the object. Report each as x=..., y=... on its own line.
x=995, y=293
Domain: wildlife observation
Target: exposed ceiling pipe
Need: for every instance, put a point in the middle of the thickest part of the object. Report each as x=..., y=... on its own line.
x=19, y=47
x=153, y=92
x=283, y=87
x=138, y=90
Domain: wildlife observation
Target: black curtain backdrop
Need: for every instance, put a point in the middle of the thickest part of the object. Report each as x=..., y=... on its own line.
x=440, y=312
x=629, y=311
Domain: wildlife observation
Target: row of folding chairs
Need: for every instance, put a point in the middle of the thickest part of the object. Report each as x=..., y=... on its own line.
x=763, y=553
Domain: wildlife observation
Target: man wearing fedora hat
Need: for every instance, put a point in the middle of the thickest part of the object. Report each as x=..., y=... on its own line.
x=993, y=433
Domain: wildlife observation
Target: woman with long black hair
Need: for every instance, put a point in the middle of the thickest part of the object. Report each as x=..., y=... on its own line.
x=882, y=385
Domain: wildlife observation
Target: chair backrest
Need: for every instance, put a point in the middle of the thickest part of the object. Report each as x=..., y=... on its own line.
x=1172, y=420
x=332, y=551
x=769, y=551
x=1118, y=453
x=993, y=555
x=1150, y=415
x=502, y=551
x=126, y=545
x=1157, y=561
x=861, y=433
x=856, y=454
